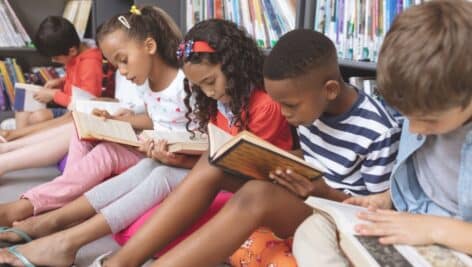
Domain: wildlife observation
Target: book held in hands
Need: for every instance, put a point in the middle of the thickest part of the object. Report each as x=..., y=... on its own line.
x=24, y=97
x=90, y=127
x=250, y=156
x=364, y=251
x=180, y=142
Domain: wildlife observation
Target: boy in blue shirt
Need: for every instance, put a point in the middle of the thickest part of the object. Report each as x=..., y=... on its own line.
x=428, y=78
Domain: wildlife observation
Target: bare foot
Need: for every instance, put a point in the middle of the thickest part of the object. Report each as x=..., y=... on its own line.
x=34, y=227
x=4, y=136
x=54, y=250
x=114, y=261
x=15, y=211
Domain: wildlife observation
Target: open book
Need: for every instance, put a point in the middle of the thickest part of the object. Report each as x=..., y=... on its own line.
x=24, y=97
x=87, y=106
x=248, y=155
x=83, y=101
x=368, y=252
x=90, y=127
x=180, y=142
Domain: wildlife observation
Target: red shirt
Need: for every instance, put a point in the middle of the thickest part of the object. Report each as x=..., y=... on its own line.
x=83, y=71
x=265, y=121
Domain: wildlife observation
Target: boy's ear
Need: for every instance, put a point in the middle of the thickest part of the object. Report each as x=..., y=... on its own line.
x=73, y=51
x=332, y=89
x=150, y=45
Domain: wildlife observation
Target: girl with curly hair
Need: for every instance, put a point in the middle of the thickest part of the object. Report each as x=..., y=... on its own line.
x=223, y=69
x=224, y=85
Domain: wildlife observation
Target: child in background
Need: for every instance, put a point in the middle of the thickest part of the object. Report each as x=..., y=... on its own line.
x=302, y=74
x=57, y=38
x=89, y=163
x=235, y=103
x=430, y=83
x=53, y=138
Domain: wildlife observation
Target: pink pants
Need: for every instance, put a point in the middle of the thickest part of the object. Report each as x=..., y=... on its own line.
x=125, y=235
x=89, y=163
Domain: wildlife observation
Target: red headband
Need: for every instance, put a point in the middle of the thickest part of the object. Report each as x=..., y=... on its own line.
x=186, y=48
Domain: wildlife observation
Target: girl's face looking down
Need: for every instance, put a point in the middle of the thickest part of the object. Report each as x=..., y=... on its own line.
x=209, y=78
x=133, y=58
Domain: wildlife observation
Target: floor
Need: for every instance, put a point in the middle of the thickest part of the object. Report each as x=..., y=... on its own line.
x=13, y=184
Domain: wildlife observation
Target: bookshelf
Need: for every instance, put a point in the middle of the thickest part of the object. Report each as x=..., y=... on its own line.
x=356, y=27
x=32, y=12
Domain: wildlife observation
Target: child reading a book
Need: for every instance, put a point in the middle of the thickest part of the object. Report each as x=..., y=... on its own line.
x=45, y=143
x=232, y=77
x=57, y=38
x=89, y=163
x=364, y=159
x=356, y=160
x=431, y=182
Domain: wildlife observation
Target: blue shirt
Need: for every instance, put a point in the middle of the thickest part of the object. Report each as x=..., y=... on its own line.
x=406, y=192
x=355, y=150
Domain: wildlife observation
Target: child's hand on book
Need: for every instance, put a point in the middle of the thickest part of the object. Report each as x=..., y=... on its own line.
x=123, y=112
x=102, y=114
x=146, y=146
x=298, y=184
x=161, y=153
x=45, y=95
x=375, y=201
x=54, y=83
x=400, y=227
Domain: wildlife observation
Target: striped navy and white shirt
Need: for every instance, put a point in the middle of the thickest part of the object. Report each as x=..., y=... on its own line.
x=355, y=150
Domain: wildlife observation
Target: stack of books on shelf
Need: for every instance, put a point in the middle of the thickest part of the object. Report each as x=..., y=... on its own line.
x=358, y=27
x=13, y=34
x=11, y=73
x=78, y=13
x=265, y=20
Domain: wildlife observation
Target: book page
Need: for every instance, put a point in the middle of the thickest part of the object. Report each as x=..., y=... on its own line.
x=345, y=215
x=217, y=138
x=176, y=136
x=80, y=94
x=110, y=130
x=87, y=106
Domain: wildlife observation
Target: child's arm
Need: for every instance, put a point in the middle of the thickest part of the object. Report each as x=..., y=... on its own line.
x=303, y=186
x=137, y=121
x=55, y=83
x=405, y=228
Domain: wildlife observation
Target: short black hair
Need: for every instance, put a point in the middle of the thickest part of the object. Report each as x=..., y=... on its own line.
x=55, y=36
x=297, y=52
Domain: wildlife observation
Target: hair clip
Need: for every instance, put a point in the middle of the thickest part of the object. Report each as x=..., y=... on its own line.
x=124, y=21
x=135, y=10
x=186, y=48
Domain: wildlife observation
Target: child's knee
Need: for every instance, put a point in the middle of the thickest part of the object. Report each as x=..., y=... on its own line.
x=254, y=197
x=39, y=116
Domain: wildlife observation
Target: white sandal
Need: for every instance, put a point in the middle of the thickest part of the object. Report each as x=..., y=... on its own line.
x=98, y=261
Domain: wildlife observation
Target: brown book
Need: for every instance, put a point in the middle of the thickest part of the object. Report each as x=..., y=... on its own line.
x=180, y=142
x=90, y=127
x=364, y=251
x=250, y=156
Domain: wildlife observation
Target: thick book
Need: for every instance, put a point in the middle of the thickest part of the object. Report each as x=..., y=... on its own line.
x=180, y=142
x=90, y=127
x=250, y=156
x=365, y=251
x=24, y=97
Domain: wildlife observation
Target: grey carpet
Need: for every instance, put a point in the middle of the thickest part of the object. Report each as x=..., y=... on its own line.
x=15, y=183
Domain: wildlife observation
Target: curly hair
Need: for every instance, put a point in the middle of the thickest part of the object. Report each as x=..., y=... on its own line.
x=241, y=63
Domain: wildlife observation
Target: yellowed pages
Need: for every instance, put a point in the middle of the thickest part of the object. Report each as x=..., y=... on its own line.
x=92, y=127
